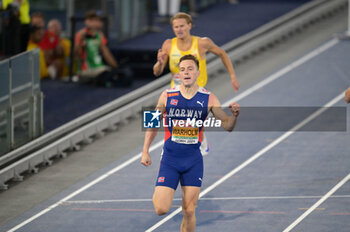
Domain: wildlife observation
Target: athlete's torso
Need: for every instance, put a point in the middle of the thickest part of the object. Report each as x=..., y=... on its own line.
x=184, y=139
x=174, y=58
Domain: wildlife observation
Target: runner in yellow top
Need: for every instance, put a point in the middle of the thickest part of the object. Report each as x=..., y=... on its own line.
x=176, y=53
x=184, y=43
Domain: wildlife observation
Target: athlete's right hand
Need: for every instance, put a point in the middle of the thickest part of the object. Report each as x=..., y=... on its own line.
x=161, y=56
x=235, y=109
x=146, y=159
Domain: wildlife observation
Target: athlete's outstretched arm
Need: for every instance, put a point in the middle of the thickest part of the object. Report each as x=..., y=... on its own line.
x=213, y=48
x=151, y=133
x=162, y=58
x=227, y=122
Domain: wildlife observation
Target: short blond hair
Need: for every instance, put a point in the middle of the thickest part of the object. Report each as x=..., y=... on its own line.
x=181, y=15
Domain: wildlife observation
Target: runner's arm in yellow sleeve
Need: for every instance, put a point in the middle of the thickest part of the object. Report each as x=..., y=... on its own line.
x=210, y=46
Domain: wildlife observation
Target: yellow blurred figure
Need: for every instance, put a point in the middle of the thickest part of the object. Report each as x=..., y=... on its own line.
x=55, y=27
x=36, y=34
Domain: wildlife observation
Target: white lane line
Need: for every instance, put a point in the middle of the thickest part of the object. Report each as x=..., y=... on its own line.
x=245, y=93
x=111, y=172
x=254, y=157
x=284, y=70
x=317, y=204
x=205, y=199
x=270, y=198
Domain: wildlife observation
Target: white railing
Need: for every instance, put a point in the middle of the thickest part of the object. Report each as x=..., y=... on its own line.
x=20, y=101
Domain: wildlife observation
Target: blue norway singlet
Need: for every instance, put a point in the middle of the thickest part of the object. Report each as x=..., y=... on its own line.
x=182, y=136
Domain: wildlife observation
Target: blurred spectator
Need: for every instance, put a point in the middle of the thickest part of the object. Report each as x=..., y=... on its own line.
x=91, y=48
x=190, y=7
x=50, y=46
x=63, y=48
x=38, y=20
x=167, y=8
x=24, y=18
x=16, y=25
x=35, y=36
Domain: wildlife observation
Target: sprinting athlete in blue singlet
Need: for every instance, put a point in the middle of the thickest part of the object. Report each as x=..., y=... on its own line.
x=181, y=160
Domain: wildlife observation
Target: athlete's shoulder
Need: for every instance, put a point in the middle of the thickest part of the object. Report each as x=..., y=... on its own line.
x=173, y=89
x=204, y=91
x=167, y=42
x=205, y=42
x=213, y=101
x=162, y=100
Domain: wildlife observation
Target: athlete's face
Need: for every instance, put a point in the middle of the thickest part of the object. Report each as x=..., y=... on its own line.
x=181, y=28
x=189, y=73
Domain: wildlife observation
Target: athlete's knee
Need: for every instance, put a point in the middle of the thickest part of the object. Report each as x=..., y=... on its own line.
x=189, y=211
x=160, y=207
x=161, y=210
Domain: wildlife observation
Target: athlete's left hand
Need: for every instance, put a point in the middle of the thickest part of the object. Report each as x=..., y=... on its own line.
x=146, y=159
x=235, y=84
x=235, y=108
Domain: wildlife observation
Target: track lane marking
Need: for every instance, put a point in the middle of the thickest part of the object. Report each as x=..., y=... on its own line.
x=204, y=199
x=317, y=204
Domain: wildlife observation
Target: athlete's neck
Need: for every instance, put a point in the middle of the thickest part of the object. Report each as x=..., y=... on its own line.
x=185, y=42
x=188, y=92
